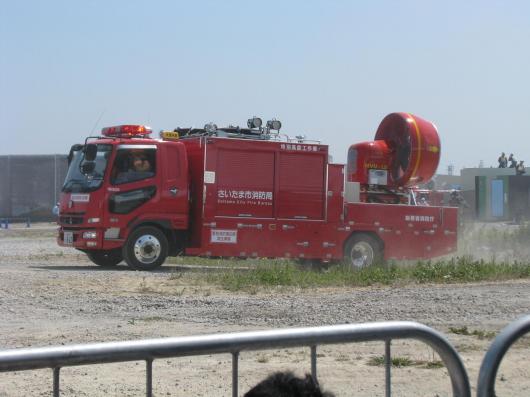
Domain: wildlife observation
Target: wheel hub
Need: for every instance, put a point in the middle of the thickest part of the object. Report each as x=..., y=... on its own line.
x=362, y=254
x=147, y=249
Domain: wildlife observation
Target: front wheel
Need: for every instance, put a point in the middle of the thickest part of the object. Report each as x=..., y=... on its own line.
x=105, y=258
x=362, y=250
x=146, y=248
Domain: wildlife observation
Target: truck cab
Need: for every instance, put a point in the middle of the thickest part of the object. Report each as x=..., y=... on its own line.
x=120, y=182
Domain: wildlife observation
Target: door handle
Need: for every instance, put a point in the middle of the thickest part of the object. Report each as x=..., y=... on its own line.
x=173, y=191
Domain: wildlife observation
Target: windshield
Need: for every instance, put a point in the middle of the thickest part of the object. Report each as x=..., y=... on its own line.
x=75, y=181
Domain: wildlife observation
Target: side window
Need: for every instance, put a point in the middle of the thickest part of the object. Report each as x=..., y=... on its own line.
x=133, y=165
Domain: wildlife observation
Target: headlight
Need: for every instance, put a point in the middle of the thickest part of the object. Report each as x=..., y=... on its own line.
x=93, y=220
x=89, y=235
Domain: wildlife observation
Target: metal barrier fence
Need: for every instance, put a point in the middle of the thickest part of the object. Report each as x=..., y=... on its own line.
x=496, y=352
x=234, y=343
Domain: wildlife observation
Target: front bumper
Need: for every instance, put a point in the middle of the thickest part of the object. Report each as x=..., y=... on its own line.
x=81, y=238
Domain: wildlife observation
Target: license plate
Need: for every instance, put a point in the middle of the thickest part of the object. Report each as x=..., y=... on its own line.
x=68, y=238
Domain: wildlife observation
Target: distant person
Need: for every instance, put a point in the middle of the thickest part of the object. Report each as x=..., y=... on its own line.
x=286, y=384
x=503, y=161
x=512, y=160
x=519, y=170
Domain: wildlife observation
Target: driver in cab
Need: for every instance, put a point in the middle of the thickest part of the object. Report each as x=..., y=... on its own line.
x=140, y=162
x=133, y=167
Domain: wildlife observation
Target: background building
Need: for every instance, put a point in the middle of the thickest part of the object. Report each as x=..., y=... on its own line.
x=497, y=194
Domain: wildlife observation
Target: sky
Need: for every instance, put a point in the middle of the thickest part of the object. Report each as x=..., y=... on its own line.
x=330, y=70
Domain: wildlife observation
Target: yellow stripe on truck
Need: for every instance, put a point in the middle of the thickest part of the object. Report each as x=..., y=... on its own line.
x=418, y=136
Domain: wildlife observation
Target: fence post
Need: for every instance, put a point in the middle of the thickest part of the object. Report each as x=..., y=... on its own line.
x=314, y=362
x=235, y=373
x=56, y=379
x=388, y=368
x=149, y=378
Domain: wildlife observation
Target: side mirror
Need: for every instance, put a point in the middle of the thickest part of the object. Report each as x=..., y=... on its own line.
x=88, y=167
x=91, y=151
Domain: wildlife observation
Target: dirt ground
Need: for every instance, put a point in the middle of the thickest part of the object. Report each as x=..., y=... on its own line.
x=55, y=296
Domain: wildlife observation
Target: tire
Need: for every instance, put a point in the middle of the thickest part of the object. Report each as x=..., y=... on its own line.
x=362, y=250
x=105, y=258
x=146, y=248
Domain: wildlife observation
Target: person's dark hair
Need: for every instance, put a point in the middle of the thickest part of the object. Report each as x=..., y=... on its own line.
x=286, y=384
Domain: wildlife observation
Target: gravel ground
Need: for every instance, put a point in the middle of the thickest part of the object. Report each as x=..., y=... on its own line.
x=53, y=296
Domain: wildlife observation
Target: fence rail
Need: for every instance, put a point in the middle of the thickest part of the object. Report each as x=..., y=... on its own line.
x=496, y=352
x=234, y=343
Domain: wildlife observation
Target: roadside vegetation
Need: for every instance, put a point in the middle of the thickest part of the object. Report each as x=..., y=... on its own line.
x=479, y=333
x=278, y=273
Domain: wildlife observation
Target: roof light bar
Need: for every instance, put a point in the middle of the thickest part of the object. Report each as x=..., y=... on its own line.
x=126, y=131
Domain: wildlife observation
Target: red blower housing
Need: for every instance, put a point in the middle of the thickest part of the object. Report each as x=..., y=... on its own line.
x=404, y=153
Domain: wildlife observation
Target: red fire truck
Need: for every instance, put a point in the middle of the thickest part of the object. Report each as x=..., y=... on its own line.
x=252, y=192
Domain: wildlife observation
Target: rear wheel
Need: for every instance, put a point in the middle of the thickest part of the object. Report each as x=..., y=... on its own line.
x=362, y=250
x=105, y=258
x=146, y=248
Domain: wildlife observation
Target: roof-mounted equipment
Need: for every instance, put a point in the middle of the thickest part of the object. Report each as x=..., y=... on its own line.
x=254, y=122
x=274, y=125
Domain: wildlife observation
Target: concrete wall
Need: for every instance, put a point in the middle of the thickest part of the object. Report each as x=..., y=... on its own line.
x=30, y=185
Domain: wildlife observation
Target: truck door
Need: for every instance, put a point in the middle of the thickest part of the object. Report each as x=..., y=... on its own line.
x=174, y=200
x=134, y=178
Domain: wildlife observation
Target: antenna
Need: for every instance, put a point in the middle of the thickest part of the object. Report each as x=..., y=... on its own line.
x=97, y=121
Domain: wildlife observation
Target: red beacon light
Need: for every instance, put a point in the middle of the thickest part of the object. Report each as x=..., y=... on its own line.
x=127, y=131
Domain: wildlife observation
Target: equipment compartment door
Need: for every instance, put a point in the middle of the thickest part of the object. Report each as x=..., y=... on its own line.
x=244, y=183
x=302, y=185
